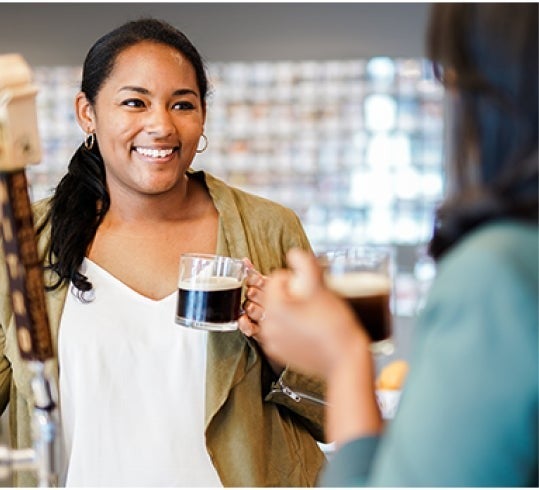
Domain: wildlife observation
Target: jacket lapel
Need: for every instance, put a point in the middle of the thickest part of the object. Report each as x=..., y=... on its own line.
x=55, y=305
x=233, y=239
x=230, y=355
x=229, y=358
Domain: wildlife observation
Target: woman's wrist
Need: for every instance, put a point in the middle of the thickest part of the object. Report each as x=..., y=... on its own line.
x=347, y=346
x=352, y=411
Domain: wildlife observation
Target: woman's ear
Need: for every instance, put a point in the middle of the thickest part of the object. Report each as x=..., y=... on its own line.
x=84, y=113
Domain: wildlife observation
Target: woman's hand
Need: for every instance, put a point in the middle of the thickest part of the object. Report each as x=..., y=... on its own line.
x=311, y=329
x=253, y=306
x=254, y=312
x=305, y=324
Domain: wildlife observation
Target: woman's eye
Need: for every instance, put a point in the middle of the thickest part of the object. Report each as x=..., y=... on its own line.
x=133, y=103
x=183, y=106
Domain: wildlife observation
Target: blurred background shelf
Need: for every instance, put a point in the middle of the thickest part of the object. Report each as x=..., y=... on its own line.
x=353, y=146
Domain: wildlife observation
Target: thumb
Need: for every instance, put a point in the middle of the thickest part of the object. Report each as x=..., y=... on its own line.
x=306, y=273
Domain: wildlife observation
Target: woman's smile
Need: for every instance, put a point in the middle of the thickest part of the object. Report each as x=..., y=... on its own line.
x=149, y=153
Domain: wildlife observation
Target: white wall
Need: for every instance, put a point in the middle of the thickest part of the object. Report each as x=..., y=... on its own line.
x=61, y=33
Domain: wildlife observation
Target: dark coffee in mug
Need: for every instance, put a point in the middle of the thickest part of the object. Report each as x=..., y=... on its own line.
x=368, y=293
x=214, y=300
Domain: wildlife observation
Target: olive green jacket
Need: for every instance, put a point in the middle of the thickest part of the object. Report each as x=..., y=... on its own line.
x=256, y=435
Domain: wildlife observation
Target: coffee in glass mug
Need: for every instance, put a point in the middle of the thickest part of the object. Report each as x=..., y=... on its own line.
x=363, y=277
x=368, y=294
x=210, y=292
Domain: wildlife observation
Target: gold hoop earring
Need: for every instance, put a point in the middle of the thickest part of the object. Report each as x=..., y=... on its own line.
x=89, y=141
x=202, y=150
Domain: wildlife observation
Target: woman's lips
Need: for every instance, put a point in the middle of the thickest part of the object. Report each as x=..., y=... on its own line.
x=149, y=152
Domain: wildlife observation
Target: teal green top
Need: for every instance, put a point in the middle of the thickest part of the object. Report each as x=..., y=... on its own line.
x=469, y=410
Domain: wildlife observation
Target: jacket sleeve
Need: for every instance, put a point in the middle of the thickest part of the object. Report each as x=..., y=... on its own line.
x=265, y=231
x=302, y=395
x=5, y=314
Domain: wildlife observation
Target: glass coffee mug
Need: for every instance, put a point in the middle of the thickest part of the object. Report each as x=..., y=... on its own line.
x=210, y=292
x=363, y=277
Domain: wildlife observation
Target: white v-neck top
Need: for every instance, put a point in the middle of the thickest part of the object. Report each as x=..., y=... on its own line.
x=131, y=390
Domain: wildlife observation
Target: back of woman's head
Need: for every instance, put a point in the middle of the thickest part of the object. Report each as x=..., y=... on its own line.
x=487, y=58
x=81, y=199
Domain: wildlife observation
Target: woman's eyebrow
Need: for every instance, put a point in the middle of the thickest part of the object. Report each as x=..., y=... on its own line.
x=141, y=90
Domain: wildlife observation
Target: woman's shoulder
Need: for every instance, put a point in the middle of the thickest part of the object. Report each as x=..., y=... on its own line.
x=496, y=246
x=496, y=265
x=247, y=202
x=256, y=204
x=507, y=234
x=41, y=208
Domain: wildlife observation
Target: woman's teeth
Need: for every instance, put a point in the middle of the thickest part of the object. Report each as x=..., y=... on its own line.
x=148, y=152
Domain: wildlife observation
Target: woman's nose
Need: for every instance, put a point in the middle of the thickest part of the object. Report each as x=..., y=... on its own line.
x=159, y=122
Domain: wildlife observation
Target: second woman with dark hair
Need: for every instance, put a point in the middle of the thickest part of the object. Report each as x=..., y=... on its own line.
x=468, y=415
x=145, y=402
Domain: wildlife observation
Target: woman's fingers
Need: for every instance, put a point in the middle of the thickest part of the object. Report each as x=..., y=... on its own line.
x=248, y=327
x=254, y=310
x=255, y=279
x=253, y=305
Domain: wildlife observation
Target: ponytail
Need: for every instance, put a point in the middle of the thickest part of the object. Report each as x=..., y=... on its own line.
x=78, y=206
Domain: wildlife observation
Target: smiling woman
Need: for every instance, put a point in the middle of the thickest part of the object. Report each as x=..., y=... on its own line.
x=148, y=128
x=143, y=401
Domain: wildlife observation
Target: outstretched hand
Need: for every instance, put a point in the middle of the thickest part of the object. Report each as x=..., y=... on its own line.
x=306, y=325
x=314, y=331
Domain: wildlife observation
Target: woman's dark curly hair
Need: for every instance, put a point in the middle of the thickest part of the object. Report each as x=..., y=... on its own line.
x=81, y=199
x=486, y=56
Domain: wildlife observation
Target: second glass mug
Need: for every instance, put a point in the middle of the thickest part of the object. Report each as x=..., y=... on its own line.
x=363, y=276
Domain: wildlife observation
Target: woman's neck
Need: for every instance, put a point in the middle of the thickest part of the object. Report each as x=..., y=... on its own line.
x=183, y=202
